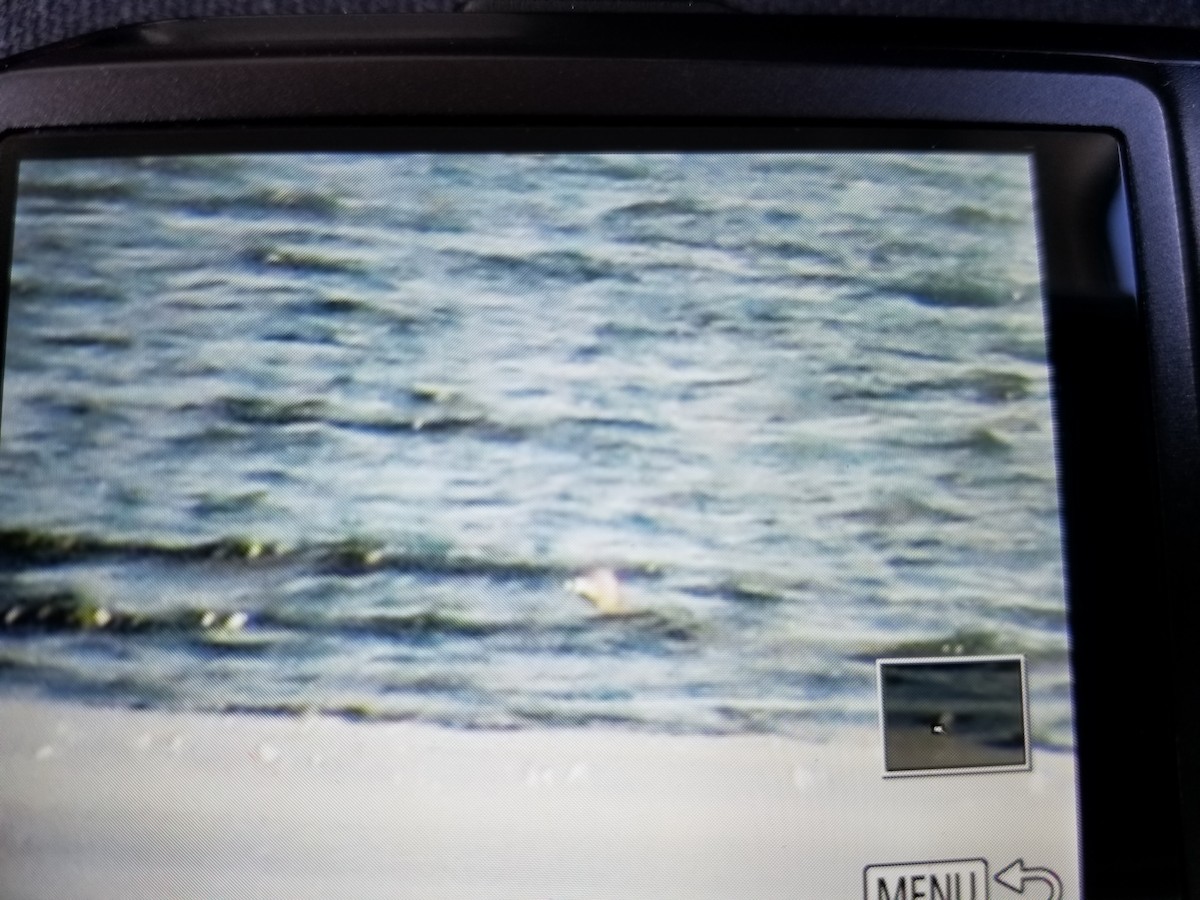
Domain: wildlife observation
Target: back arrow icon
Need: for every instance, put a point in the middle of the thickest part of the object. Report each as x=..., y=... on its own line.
x=1015, y=876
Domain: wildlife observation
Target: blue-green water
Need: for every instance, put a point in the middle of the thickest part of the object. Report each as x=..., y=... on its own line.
x=331, y=433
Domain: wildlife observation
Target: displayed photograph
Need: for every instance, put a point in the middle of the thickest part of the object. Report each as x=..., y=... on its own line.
x=953, y=714
x=585, y=489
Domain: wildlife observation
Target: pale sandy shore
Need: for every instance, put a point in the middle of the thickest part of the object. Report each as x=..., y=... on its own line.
x=100, y=803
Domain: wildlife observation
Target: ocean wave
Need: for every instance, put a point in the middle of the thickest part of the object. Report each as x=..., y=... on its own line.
x=612, y=422
x=211, y=504
x=95, y=339
x=27, y=610
x=984, y=440
x=565, y=266
x=792, y=249
x=23, y=548
x=961, y=290
x=363, y=310
x=990, y=386
x=91, y=408
x=968, y=642
x=615, y=168
x=291, y=200
x=639, y=632
x=431, y=410
x=974, y=642
x=750, y=591
x=654, y=209
x=304, y=260
x=77, y=190
x=25, y=287
x=903, y=509
x=266, y=411
x=974, y=215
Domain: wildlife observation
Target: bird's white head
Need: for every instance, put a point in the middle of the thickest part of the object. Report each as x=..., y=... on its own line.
x=601, y=588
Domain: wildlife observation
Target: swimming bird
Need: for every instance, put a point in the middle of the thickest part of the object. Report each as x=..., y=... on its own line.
x=602, y=589
x=941, y=723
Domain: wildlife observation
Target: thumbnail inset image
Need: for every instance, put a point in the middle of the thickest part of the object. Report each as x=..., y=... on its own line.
x=965, y=714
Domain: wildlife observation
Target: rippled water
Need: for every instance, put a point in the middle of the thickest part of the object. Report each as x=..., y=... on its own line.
x=322, y=432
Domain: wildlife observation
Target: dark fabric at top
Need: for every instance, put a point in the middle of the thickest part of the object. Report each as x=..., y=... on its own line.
x=31, y=24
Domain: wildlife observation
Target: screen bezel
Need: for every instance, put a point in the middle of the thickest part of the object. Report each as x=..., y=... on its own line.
x=1127, y=518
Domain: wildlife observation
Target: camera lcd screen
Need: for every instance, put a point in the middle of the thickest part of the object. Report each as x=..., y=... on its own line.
x=448, y=524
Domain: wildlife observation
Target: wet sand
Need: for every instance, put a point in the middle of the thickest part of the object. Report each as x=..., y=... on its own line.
x=107, y=803
x=913, y=750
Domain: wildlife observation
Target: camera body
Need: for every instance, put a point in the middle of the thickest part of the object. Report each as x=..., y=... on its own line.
x=1108, y=117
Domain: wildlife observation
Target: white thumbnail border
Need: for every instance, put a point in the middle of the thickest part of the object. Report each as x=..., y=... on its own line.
x=950, y=660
